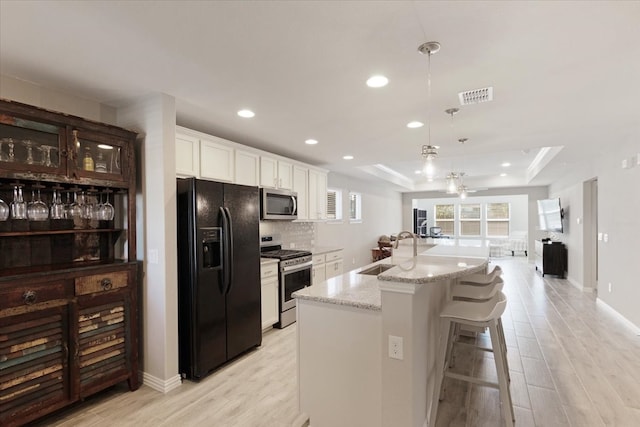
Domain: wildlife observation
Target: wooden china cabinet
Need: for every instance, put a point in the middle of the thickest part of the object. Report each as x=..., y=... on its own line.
x=68, y=269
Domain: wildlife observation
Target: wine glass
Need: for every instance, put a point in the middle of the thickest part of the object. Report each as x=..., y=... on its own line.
x=57, y=210
x=12, y=156
x=4, y=210
x=88, y=207
x=37, y=209
x=29, y=144
x=46, y=155
x=107, y=211
x=75, y=208
x=18, y=206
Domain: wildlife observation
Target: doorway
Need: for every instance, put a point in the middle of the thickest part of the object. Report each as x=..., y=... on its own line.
x=590, y=235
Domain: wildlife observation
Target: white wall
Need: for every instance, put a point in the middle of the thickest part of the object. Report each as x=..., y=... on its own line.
x=381, y=214
x=29, y=93
x=618, y=206
x=154, y=118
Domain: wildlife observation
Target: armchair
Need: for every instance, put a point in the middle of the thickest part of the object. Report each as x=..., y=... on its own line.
x=518, y=242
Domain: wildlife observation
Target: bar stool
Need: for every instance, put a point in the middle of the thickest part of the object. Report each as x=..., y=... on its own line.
x=478, y=293
x=483, y=314
x=481, y=279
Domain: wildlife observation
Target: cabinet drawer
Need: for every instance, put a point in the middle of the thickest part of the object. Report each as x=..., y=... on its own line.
x=34, y=294
x=269, y=270
x=101, y=282
x=331, y=256
x=318, y=259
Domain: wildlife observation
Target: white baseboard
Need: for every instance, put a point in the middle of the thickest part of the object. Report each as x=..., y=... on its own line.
x=163, y=386
x=617, y=314
x=580, y=285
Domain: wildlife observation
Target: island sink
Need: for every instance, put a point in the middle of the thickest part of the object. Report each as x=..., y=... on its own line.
x=376, y=269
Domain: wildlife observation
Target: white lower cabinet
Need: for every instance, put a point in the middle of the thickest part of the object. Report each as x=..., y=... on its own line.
x=333, y=263
x=269, y=293
x=317, y=269
x=326, y=266
x=333, y=268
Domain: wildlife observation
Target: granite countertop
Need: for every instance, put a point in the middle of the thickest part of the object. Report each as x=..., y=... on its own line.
x=433, y=268
x=349, y=289
x=435, y=263
x=319, y=250
x=265, y=261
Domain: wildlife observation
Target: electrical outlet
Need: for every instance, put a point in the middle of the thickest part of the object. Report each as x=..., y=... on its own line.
x=609, y=287
x=353, y=261
x=395, y=347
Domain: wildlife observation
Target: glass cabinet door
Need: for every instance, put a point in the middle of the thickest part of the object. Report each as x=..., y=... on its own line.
x=97, y=156
x=31, y=146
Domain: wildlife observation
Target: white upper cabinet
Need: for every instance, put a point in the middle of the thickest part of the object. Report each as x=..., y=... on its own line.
x=301, y=186
x=216, y=160
x=208, y=157
x=187, y=156
x=276, y=173
x=285, y=175
x=247, y=168
x=317, y=194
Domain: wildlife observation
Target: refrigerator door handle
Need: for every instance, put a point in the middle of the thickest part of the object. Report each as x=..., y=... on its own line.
x=225, y=248
x=230, y=252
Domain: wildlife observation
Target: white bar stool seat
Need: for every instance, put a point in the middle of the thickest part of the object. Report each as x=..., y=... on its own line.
x=466, y=291
x=483, y=314
x=481, y=279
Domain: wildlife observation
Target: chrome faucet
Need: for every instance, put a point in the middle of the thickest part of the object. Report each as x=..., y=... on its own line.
x=404, y=235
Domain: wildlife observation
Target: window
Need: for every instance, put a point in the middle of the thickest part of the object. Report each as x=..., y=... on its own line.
x=334, y=204
x=355, y=207
x=470, y=219
x=444, y=218
x=498, y=216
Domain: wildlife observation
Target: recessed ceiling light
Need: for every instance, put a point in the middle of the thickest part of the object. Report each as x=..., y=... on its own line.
x=414, y=125
x=311, y=142
x=506, y=164
x=246, y=113
x=418, y=172
x=503, y=174
x=348, y=157
x=377, y=81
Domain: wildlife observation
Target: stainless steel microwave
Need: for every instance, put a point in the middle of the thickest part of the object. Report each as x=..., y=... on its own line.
x=278, y=204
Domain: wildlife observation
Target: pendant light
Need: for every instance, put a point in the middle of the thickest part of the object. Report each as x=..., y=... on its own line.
x=429, y=152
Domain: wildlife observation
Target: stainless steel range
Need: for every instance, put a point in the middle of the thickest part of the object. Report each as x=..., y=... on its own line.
x=295, y=273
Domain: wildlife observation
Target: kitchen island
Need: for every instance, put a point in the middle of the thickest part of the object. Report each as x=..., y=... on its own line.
x=346, y=373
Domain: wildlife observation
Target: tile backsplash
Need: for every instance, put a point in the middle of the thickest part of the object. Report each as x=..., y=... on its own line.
x=298, y=234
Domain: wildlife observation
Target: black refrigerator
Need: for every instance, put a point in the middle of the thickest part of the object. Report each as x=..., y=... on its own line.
x=218, y=273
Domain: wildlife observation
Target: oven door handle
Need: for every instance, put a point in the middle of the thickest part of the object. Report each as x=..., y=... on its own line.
x=297, y=267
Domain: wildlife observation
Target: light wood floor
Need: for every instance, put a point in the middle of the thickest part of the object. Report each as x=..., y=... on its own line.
x=572, y=364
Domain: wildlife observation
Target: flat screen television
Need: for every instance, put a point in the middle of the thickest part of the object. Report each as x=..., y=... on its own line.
x=550, y=215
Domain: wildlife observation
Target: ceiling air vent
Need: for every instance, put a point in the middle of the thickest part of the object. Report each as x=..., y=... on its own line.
x=476, y=96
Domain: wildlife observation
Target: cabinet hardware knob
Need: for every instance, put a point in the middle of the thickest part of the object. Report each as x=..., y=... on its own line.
x=106, y=284
x=29, y=297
